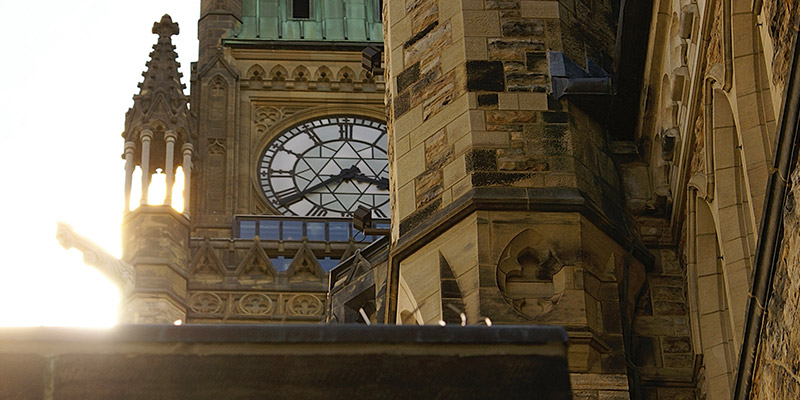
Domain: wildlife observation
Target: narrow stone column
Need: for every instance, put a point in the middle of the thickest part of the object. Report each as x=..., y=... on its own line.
x=169, y=169
x=146, y=137
x=129, y=149
x=691, y=265
x=187, y=176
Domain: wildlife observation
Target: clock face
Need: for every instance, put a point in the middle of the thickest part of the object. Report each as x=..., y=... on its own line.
x=328, y=167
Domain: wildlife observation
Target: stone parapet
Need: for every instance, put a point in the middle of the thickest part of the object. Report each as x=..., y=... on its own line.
x=320, y=362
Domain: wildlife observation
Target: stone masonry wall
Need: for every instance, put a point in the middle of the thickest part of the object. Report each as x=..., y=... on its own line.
x=781, y=18
x=662, y=348
x=778, y=358
x=467, y=94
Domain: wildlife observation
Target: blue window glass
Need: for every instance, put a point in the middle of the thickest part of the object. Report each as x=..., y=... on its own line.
x=327, y=263
x=269, y=230
x=247, y=229
x=315, y=231
x=281, y=263
x=339, y=231
x=360, y=237
x=292, y=230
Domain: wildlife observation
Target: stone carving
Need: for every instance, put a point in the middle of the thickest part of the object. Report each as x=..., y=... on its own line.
x=301, y=78
x=323, y=78
x=267, y=116
x=304, y=305
x=780, y=24
x=715, y=49
x=256, y=267
x=256, y=76
x=304, y=266
x=278, y=75
x=116, y=270
x=205, y=303
x=525, y=274
x=698, y=158
x=345, y=77
x=161, y=93
x=216, y=147
x=206, y=266
x=255, y=304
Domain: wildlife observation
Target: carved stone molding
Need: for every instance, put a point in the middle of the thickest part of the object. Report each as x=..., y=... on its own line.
x=255, y=304
x=206, y=303
x=525, y=274
x=304, y=305
x=264, y=117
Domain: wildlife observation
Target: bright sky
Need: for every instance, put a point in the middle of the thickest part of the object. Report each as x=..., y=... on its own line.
x=69, y=72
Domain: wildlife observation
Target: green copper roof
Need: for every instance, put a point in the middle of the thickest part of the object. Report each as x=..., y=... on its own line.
x=330, y=20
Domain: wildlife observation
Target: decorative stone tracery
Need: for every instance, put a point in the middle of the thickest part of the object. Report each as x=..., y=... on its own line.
x=255, y=304
x=304, y=305
x=206, y=303
x=525, y=274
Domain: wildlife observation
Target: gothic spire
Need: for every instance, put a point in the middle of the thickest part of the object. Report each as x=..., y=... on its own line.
x=158, y=134
x=161, y=103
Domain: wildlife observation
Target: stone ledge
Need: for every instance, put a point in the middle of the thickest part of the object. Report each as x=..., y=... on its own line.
x=516, y=199
x=288, y=334
x=320, y=362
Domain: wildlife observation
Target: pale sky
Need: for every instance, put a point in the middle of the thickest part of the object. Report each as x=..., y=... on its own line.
x=69, y=72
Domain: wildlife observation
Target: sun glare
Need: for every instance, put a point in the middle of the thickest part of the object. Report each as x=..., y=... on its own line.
x=62, y=162
x=158, y=189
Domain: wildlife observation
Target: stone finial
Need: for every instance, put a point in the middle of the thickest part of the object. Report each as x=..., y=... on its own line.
x=166, y=28
x=161, y=106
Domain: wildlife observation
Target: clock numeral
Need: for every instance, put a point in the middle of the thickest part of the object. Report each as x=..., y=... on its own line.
x=318, y=211
x=313, y=136
x=278, y=173
x=284, y=149
x=346, y=131
x=286, y=193
x=379, y=213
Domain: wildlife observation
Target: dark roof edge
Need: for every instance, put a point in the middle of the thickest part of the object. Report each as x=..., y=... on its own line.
x=307, y=45
x=294, y=334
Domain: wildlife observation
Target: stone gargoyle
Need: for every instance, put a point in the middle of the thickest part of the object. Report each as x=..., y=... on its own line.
x=117, y=271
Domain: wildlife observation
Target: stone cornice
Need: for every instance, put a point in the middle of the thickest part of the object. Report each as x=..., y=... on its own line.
x=517, y=199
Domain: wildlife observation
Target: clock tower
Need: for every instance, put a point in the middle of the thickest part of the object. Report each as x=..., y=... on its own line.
x=286, y=138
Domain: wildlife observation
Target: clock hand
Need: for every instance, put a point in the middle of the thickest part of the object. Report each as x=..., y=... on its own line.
x=380, y=183
x=346, y=173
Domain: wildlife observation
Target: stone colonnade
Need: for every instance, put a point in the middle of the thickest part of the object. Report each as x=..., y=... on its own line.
x=146, y=137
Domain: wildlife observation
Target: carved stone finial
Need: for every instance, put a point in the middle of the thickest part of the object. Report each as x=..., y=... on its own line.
x=161, y=106
x=166, y=28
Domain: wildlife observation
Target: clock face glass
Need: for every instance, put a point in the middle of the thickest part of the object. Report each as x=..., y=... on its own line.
x=328, y=167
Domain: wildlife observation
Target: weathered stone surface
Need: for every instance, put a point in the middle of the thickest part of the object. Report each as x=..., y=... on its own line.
x=502, y=4
x=485, y=76
x=513, y=49
x=487, y=100
x=676, y=344
x=537, y=62
x=778, y=357
x=408, y=77
x=428, y=186
x=669, y=308
x=525, y=27
x=527, y=81
x=481, y=160
x=780, y=14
